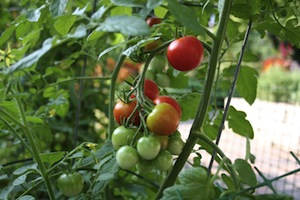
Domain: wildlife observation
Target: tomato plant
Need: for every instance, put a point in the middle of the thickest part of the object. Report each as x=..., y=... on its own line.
x=63, y=65
x=185, y=53
x=70, y=184
x=127, y=157
x=148, y=147
x=124, y=111
x=122, y=136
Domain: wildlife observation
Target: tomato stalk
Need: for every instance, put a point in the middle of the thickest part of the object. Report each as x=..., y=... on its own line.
x=112, y=91
x=35, y=152
x=204, y=102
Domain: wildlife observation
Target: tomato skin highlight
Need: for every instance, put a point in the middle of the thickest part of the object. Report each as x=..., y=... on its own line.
x=186, y=53
x=163, y=120
x=169, y=100
x=122, y=112
x=70, y=184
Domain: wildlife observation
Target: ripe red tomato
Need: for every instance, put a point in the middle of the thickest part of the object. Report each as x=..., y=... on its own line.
x=153, y=20
x=151, y=89
x=163, y=119
x=169, y=100
x=123, y=110
x=70, y=184
x=185, y=53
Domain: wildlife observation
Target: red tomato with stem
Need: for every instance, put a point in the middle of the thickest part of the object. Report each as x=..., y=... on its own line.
x=163, y=119
x=169, y=100
x=122, y=111
x=186, y=53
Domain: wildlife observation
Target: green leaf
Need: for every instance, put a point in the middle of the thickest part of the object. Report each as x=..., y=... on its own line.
x=247, y=84
x=11, y=108
x=98, y=14
x=60, y=105
x=104, y=175
x=228, y=181
x=129, y=3
x=127, y=25
x=64, y=23
x=80, y=11
x=195, y=186
x=245, y=171
x=57, y=7
x=31, y=37
x=35, y=120
x=52, y=157
x=239, y=124
x=273, y=197
x=32, y=58
x=186, y=16
x=7, y=34
x=26, y=169
x=189, y=104
x=192, y=174
x=79, y=32
x=151, y=4
x=34, y=14
x=27, y=197
x=20, y=180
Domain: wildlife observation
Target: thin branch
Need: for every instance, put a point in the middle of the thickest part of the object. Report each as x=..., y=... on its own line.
x=230, y=93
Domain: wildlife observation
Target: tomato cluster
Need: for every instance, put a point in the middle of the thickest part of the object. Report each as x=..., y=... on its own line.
x=145, y=152
x=147, y=134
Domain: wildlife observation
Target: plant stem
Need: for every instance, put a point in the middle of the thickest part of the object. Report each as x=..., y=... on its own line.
x=230, y=94
x=202, y=109
x=35, y=152
x=112, y=91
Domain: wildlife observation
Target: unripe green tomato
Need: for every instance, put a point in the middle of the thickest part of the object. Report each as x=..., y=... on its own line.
x=70, y=184
x=144, y=166
x=164, y=161
x=148, y=147
x=158, y=63
x=127, y=157
x=175, y=145
x=163, y=80
x=122, y=136
x=150, y=74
